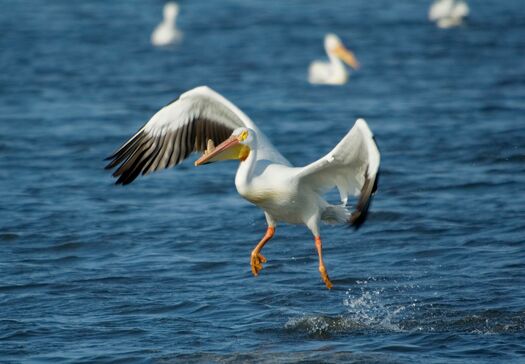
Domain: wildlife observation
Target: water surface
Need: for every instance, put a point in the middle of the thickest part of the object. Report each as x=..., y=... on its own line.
x=158, y=271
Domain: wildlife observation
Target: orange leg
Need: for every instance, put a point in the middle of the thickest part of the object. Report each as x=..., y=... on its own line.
x=322, y=268
x=257, y=259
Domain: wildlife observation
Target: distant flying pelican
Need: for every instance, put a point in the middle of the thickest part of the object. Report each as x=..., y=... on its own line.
x=166, y=32
x=201, y=118
x=448, y=13
x=333, y=72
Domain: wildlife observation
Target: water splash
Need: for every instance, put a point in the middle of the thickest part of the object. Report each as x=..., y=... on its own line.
x=392, y=308
x=367, y=308
x=370, y=307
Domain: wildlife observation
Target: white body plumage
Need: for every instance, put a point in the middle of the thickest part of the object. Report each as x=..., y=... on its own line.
x=448, y=13
x=166, y=32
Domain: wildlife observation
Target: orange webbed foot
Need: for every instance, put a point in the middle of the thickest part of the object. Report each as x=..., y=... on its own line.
x=256, y=261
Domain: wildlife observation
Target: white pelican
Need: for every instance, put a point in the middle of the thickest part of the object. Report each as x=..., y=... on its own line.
x=448, y=13
x=333, y=72
x=166, y=32
x=201, y=118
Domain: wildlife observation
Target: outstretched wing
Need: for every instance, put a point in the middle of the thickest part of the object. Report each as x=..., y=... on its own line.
x=352, y=166
x=175, y=131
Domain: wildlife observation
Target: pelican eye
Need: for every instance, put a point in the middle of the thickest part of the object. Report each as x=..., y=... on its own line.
x=243, y=135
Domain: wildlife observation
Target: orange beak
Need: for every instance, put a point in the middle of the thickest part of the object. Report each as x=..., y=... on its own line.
x=223, y=151
x=347, y=56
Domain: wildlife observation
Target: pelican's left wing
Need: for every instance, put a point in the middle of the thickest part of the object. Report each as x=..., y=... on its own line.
x=175, y=131
x=352, y=166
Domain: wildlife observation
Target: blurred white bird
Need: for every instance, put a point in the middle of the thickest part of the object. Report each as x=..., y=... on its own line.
x=333, y=72
x=166, y=32
x=448, y=13
x=201, y=118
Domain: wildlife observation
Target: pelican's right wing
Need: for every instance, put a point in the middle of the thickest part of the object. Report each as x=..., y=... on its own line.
x=175, y=131
x=352, y=166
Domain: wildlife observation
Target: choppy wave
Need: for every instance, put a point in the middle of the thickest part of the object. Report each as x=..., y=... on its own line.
x=309, y=357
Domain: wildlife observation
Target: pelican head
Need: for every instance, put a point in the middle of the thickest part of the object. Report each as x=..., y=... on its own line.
x=171, y=10
x=237, y=146
x=335, y=47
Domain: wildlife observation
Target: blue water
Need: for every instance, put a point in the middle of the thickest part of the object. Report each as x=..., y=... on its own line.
x=158, y=271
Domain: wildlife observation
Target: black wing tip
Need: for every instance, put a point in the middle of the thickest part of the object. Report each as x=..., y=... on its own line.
x=123, y=178
x=110, y=157
x=111, y=160
x=376, y=181
x=359, y=216
x=123, y=182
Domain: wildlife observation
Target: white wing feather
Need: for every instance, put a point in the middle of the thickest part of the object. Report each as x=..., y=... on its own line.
x=352, y=166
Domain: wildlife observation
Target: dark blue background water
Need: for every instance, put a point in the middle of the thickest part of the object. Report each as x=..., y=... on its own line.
x=159, y=270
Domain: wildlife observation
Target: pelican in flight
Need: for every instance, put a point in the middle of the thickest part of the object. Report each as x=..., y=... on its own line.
x=448, y=13
x=334, y=71
x=201, y=118
x=166, y=32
